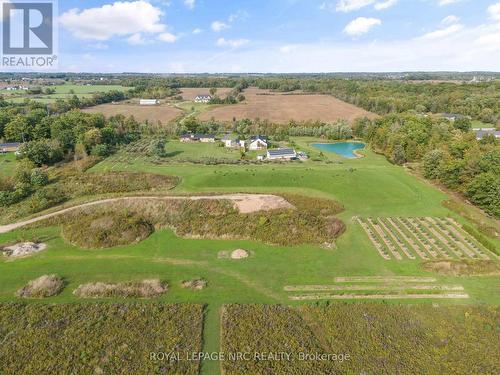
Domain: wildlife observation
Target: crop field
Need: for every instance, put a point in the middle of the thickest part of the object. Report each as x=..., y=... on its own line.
x=422, y=238
x=163, y=113
x=361, y=338
x=98, y=338
x=281, y=108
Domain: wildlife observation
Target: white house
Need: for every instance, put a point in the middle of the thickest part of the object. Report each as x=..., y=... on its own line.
x=149, y=102
x=231, y=141
x=281, y=154
x=258, y=142
x=203, y=99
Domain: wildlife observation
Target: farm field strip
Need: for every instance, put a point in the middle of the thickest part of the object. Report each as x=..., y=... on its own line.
x=387, y=279
x=440, y=237
x=314, y=297
x=315, y=288
x=377, y=287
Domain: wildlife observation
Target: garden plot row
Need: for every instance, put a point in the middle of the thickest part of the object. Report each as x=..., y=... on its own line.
x=377, y=288
x=421, y=237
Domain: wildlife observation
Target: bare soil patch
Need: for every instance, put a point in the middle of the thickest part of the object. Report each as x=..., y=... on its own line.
x=189, y=93
x=138, y=289
x=163, y=113
x=23, y=249
x=283, y=107
x=239, y=254
x=315, y=297
x=197, y=284
x=43, y=287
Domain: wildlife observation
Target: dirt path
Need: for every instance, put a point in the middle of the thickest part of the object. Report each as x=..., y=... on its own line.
x=245, y=203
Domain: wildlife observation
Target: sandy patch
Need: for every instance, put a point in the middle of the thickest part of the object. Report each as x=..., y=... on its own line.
x=239, y=254
x=23, y=249
x=254, y=203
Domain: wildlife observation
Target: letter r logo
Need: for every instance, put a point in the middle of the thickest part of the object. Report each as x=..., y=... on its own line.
x=28, y=28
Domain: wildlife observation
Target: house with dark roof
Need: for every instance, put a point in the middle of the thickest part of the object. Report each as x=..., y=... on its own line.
x=281, y=154
x=258, y=142
x=481, y=133
x=9, y=147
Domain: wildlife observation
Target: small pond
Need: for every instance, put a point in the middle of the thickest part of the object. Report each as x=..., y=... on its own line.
x=345, y=149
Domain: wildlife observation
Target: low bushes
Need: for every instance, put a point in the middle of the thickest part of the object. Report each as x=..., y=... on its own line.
x=137, y=289
x=98, y=338
x=102, y=230
x=481, y=239
x=43, y=287
x=463, y=267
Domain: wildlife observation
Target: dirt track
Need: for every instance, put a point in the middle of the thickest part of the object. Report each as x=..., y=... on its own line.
x=245, y=203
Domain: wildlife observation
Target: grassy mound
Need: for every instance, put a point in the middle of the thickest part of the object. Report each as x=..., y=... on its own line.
x=312, y=221
x=103, y=230
x=463, y=267
x=43, y=287
x=137, y=289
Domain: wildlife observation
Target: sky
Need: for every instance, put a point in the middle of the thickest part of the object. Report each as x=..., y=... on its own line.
x=278, y=36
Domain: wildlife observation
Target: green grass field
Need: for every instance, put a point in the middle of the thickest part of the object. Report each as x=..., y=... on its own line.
x=367, y=187
x=7, y=164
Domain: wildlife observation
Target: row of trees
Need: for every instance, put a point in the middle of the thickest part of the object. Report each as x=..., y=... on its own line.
x=448, y=153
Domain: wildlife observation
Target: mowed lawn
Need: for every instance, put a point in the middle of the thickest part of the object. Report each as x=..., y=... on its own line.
x=7, y=164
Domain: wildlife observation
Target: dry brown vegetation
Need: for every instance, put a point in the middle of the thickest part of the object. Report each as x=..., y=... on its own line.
x=464, y=267
x=137, y=289
x=197, y=284
x=163, y=113
x=43, y=287
x=103, y=229
x=312, y=221
x=282, y=107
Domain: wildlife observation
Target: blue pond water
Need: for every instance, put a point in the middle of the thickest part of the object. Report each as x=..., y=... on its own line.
x=345, y=149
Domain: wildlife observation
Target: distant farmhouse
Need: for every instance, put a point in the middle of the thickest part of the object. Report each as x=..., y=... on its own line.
x=481, y=133
x=203, y=99
x=9, y=147
x=205, y=138
x=452, y=116
x=231, y=141
x=149, y=102
x=281, y=154
x=258, y=142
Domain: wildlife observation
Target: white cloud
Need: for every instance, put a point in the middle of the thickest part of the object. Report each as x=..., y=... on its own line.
x=494, y=11
x=234, y=43
x=197, y=31
x=219, y=26
x=288, y=48
x=352, y=5
x=447, y=2
x=441, y=33
x=385, y=4
x=136, y=39
x=167, y=37
x=190, y=3
x=450, y=20
x=361, y=25
x=117, y=19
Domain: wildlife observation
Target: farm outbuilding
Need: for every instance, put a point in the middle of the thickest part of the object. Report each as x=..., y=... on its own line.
x=149, y=102
x=258, y=142
x=281, y=154
x=203, y=99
